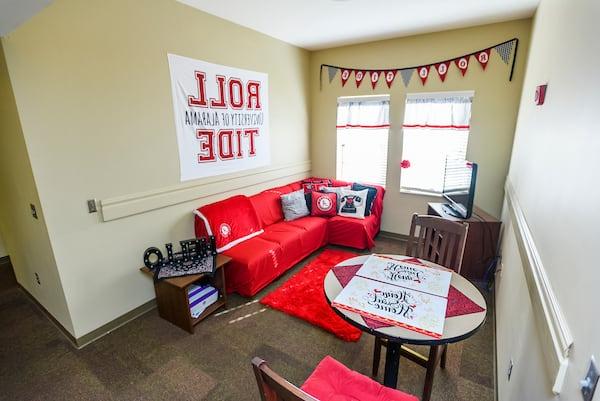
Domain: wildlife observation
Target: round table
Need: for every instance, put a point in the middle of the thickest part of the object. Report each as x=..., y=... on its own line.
x=456, y=328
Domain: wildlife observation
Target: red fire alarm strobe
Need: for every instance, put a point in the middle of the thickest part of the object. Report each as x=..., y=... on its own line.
x=540, y=94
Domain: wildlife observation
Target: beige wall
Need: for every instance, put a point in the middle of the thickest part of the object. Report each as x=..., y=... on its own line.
x=493, y=113
x=91, y=83
x=3, y=251
x=554, y=172
x=25, y=238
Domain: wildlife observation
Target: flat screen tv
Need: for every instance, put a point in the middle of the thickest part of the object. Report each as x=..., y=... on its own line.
x=459, y=187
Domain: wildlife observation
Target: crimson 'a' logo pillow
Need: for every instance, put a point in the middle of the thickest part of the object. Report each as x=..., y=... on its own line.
x=324, y=204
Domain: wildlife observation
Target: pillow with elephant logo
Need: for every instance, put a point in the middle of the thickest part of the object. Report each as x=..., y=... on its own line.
x=353, y=203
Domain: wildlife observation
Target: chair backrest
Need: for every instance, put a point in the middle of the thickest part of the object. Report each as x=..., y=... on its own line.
x=438, y=240
x=273, y=387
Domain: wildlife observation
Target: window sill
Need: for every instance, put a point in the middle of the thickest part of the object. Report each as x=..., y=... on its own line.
x=420, y=192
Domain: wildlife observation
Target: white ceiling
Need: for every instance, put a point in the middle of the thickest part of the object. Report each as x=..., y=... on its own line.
x=14, y=12
x=318, y=24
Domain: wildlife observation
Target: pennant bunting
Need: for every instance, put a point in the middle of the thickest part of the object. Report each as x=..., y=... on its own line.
x=462, y=64
x=424, y=73
x=505, y=50
x=359, y=75
x=345, y=75
x=483, y=57
x=331, y=71
x=374, y=76
x=442, y=69
x=389, y=77
x=407, y=75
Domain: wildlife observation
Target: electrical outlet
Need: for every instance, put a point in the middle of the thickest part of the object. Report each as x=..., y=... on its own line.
x=33, y=211
x=91, y=204
x=588, y=385
x=37, y=278
x=510, y=369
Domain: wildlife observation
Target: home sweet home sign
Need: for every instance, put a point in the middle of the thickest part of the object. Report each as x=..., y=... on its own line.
x=221, y=117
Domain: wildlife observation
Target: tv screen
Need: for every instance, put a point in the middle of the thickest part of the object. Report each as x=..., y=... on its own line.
x=459, y=187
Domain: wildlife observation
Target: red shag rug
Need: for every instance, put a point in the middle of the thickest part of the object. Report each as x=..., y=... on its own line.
x=303, y=296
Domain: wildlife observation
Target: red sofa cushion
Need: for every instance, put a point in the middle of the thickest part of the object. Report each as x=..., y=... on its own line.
x=315, y=232
x=332, y=381
x=231, y=221
x=289, y=239
x=323, y=204
x=255, y=263
x=268, y=207
x=355, y=233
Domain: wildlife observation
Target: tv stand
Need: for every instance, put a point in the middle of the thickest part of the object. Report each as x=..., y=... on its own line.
x=450, y=211
x=482, y=239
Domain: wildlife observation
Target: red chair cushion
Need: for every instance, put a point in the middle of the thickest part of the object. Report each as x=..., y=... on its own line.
x=255, y=263
x=332, y=381
x=289, y=239
x=315, y=232
x=231, y=221
x=323, y=204
x=268, y=207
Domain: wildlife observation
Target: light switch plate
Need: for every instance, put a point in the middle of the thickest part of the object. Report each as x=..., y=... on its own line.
x=589, y=383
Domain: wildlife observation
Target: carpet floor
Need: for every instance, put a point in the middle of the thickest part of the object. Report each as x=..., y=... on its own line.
x=150, y=359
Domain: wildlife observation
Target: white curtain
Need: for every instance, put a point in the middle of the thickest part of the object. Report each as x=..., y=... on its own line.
x=438, y=111
x=363, y=113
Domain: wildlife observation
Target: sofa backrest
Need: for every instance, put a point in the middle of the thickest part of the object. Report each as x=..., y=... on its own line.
x=268, y=207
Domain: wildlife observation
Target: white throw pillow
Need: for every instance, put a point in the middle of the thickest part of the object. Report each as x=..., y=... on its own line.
x=294, y=205
x=353, y=203
x=335, y=190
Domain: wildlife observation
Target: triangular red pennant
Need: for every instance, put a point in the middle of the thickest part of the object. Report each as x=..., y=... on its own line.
x=358, y=77
x=374, y=76
x=345, y=75
x=389, y=77
x=423, y=73
x=442, y=69
x=483, y=57
x=462, y=63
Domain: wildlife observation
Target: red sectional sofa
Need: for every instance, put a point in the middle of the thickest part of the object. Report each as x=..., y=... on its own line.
x=273, y=245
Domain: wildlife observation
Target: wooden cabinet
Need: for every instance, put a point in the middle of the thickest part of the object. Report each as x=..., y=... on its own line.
x=482, y=240
x=172, y=295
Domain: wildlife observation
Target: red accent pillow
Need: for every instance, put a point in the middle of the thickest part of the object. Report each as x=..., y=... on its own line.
x=333, y=381
x=231, y=221
x=311, y=186
x=324, y=204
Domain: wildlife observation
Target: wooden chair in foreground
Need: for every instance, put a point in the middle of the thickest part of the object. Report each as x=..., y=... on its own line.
x=329, y=381
x=443, y=242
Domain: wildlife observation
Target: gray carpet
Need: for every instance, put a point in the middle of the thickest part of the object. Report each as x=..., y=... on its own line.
x=150, y=359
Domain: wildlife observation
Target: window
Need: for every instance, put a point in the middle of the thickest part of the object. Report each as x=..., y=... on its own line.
x=435, y=129
x=362, y=139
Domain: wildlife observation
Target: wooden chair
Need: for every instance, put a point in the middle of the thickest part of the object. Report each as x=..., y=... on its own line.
x=439, y=241
x=273, y=387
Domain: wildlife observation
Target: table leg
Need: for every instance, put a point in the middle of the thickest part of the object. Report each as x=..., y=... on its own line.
x=392, y=363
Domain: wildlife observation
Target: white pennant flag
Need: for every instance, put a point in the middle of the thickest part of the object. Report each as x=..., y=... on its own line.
x=505, y=50
x=406, y=75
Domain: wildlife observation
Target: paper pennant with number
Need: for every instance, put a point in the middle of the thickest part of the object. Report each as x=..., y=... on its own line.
x=423, y=73
x=374, y=76
x=505, y=50
x=407, y=75
x=462, y=63
x=331, y=71
x=389, y=77
x=483, y=57
x=345, y=75
x=442, y=69
x=359, y=75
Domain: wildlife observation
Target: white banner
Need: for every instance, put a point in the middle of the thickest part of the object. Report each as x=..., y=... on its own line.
x=221, y=117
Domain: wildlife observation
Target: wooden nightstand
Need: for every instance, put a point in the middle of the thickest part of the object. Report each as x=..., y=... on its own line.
x=172, y=295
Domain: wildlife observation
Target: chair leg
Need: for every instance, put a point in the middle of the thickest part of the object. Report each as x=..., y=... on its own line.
x=431, y=365
x=376, y=356
x=444, y=355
